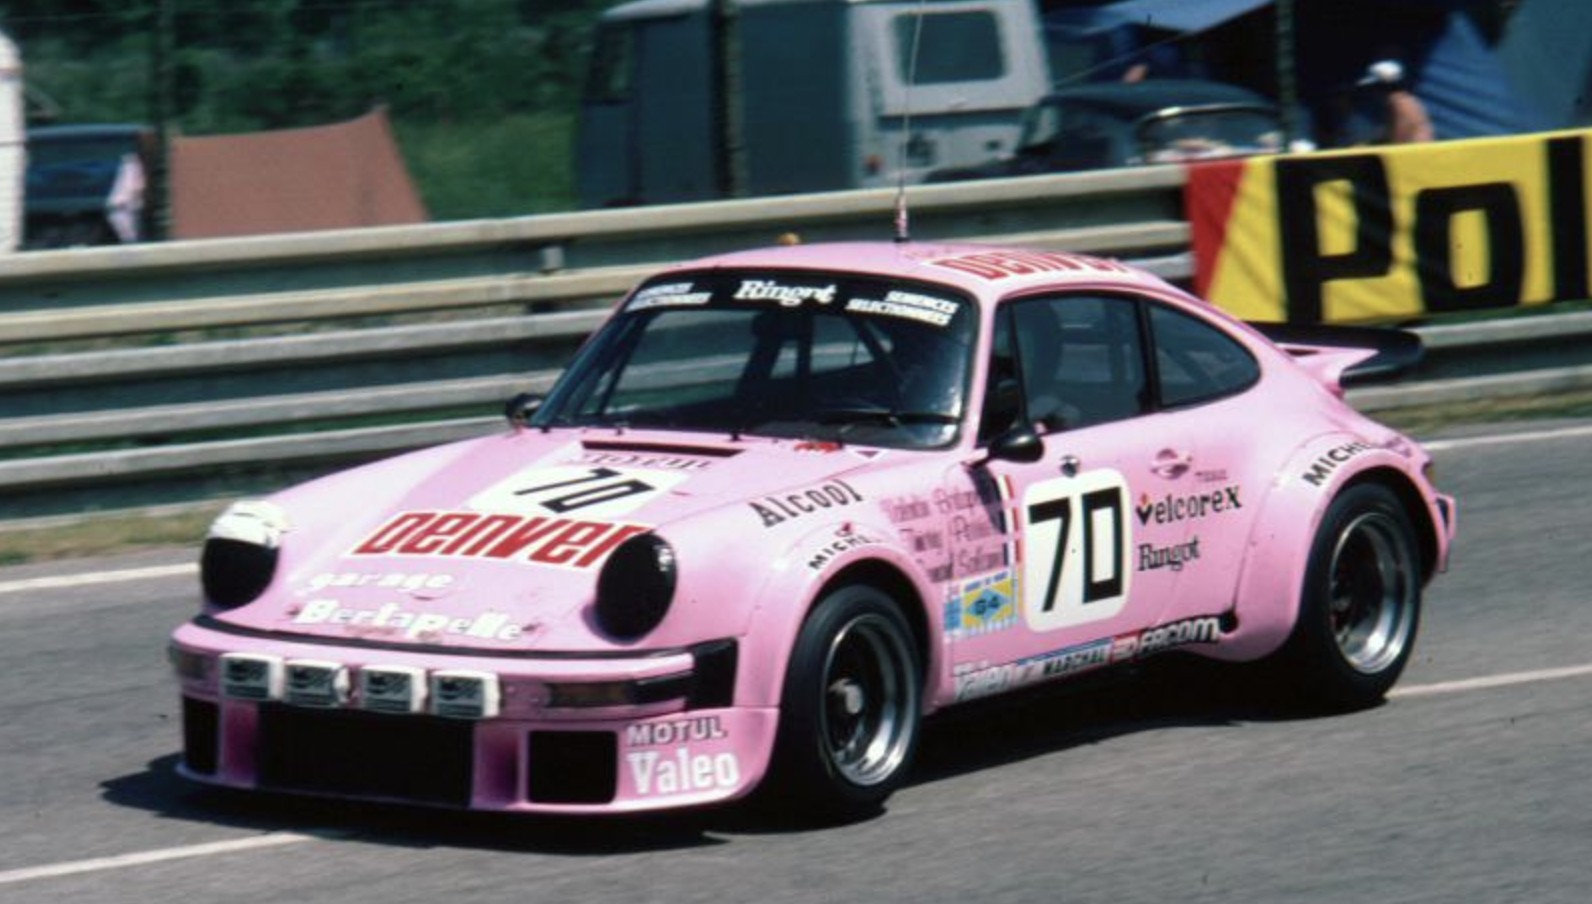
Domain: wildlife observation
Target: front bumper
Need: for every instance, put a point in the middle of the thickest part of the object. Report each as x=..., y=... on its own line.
x=524, y=732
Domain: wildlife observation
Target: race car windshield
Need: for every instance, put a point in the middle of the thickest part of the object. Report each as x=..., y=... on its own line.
x=778, y=354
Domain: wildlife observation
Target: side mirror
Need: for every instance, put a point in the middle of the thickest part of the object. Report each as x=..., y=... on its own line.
x=520, y=409
x=1020, y=444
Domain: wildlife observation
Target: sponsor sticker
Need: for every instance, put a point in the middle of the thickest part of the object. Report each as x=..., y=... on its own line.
x=672, y=295
x=983, y=605
x=1173, y=508
x=564, y=542
x=594, y=492
x=1173, y=557
x=1202, y=629
x=782, y=507
x=658, y=773
x=998, y=265
x=846, y=538
x=394, y=619
x=976, y=682
x=787, y=296
x=907, y=306
x=1329, y=461
x=662, y=733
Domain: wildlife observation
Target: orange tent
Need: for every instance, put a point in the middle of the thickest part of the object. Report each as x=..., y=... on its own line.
x=337, y=176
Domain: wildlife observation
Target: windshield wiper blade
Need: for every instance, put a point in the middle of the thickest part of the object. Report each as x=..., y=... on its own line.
x=887, y=416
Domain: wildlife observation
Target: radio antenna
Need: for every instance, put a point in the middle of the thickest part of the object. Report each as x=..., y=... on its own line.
x=903, y=231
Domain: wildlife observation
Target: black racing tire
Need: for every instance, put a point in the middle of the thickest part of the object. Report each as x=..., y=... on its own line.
x=851, y=709
x=1361, y=603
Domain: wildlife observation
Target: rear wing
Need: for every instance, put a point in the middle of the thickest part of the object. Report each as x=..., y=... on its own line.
x=1347, y=355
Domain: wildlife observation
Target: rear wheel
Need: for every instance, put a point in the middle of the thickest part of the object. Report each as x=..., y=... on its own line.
x=851, y=708
x=1361, y=603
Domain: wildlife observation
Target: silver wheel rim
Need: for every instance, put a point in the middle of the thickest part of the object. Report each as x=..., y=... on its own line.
x=870, y=702
x=1371, y=595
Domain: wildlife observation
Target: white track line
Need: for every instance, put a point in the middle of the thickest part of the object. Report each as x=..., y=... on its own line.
x=57, y=870
x=1492, y=681
x=99, y=577
x=1504, y=439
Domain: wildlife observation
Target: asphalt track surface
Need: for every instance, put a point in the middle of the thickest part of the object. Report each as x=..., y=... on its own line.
x=1473, y=784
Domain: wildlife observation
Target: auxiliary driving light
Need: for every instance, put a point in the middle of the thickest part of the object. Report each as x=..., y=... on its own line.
x=248, y=676
x=311, y=682
x=465, y=695
x=392, y=689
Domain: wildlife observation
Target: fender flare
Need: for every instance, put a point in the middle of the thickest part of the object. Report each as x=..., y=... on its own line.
x=821, y=559
x=1271, y=575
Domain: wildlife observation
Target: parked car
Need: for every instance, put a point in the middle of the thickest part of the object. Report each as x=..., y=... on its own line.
x=787, y=503
x=1111, y=124
x=85, y=185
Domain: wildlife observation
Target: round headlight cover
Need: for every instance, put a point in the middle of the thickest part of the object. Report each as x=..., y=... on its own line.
x=636, y=586
x=240, y=552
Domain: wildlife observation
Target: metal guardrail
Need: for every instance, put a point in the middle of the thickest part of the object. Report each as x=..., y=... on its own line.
x=403, y=337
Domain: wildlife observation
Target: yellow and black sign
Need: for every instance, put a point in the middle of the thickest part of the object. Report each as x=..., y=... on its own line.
x=1394, y=233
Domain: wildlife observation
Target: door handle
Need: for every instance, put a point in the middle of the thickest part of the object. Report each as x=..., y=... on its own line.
x=1171, y=462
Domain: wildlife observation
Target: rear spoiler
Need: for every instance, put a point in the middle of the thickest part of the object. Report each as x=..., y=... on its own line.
x=1347, y=355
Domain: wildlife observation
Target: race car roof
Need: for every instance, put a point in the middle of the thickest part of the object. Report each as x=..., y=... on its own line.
x=984, y=271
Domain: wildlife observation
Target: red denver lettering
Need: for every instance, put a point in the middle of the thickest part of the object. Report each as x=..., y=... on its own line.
x=482, y=535
x=568, y=542
x=429, y=538
x=392, y=533
x=531, y=531
x=625, y=532
x=556, y=541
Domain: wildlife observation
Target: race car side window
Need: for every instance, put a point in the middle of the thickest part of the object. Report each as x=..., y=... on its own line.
x=1195, y=362
x=1082, y=360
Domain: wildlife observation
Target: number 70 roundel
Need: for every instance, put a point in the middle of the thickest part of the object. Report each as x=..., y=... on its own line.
x=1075, y=540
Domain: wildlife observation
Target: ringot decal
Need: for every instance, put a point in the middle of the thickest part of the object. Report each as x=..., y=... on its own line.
x=1174, y=557
x=786, y=296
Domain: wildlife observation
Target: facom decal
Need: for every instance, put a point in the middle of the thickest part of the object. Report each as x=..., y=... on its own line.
x=1332, y=458
x=997, y=265
x=983, y=605
x=410, y=625
x=1076, y=539
x=673, y=295
x=1203, y=629
x=787, y=296
x=420, y=583
x=474, y=535
x=595, y=492
x=1174, y=557
x=653, y=773
x=675, y=731
x=782, y=507
x=908, y=306
x=1173, y=508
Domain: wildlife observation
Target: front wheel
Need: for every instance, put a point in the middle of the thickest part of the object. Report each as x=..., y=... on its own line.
x=1361, y=602
x=851, y=708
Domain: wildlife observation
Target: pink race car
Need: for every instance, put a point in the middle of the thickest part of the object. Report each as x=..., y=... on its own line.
x=786, y=504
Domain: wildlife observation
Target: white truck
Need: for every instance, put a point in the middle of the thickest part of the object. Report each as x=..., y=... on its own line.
x=700, y=99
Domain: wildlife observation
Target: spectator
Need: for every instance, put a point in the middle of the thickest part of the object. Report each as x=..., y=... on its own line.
x=1405, y=118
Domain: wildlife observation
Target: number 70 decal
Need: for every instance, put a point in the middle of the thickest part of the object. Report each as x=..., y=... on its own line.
x=1075, y=540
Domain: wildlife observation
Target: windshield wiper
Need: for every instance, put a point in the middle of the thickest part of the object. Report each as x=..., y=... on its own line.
x=854, y=416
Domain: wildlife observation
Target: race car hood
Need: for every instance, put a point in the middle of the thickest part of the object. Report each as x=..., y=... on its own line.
x=497, y=542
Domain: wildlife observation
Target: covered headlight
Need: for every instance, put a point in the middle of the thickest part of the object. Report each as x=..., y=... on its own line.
x=240, y=552
x=636, y=586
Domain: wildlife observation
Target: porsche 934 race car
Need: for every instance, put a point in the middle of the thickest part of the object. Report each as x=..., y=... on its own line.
x=784, y=505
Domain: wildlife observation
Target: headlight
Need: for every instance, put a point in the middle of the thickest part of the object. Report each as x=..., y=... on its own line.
x=636, y=586
x=240, y=552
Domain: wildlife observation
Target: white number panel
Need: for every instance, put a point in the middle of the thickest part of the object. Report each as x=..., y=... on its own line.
x=1075, y=543
x=584, y=490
